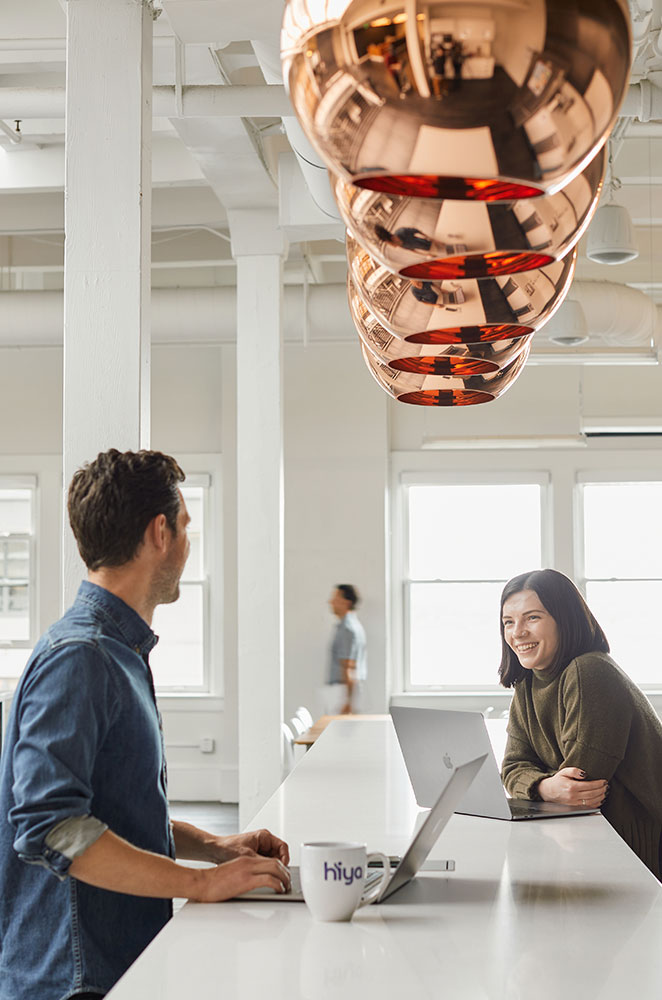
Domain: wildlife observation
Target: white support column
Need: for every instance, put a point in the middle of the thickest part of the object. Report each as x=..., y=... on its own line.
x=258, y=246
x=108, y=233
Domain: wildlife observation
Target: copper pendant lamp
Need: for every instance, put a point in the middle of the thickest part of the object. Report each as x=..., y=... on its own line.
x=460, y=360
x=433, y=239
x=464, y=311
x=436, y=390
x=472, y=101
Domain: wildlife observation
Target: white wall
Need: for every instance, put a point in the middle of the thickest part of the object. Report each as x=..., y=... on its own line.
x=336, y=468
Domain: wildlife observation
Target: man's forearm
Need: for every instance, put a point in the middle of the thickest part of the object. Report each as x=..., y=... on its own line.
x=192, y=843
x=349, y=677
x=113, y=863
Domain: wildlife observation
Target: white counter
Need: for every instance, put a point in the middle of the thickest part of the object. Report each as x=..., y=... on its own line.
x=551, y=910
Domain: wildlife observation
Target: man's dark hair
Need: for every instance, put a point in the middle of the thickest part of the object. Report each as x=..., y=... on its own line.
x=113, y=499
x=579, y=631
x=349, y=592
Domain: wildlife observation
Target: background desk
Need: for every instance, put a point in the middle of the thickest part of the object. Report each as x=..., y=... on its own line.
x=311, y=735
x=550, y=910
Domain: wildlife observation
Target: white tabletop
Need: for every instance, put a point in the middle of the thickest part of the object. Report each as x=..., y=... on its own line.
x=553, y=909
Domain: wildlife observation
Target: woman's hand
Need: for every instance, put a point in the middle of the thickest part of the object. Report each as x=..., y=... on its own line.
x=570, y=787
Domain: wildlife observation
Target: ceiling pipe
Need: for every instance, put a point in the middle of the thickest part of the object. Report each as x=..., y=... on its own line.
x=620, y=315
x=183, y=315
x=643, y=100
x=310, y=162
x=197, y=102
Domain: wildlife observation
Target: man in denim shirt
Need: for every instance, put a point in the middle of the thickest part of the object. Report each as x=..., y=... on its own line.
x=87, y=849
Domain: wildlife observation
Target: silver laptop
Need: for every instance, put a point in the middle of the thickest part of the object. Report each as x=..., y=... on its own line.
x=433, y=740
x=457, y=781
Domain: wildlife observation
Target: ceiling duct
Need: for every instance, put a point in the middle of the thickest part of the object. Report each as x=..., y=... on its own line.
x=616, y=315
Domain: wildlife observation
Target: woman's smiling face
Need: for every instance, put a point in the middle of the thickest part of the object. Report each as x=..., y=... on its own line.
x=530, y=630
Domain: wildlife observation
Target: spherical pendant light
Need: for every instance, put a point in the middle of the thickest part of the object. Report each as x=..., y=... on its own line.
x=435, y=390
x=459, y=312
x=439, y=99
x=446, y=359
x=433, y=239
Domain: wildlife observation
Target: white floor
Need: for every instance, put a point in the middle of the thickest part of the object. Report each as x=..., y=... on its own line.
x=216, y=817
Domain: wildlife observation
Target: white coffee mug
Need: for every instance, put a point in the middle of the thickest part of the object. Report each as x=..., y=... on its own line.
x=333, y=875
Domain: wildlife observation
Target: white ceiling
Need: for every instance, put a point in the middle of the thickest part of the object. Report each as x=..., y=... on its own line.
x=204, y=166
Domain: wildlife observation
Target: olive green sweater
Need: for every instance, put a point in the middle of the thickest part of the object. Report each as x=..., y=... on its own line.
x=592, y=716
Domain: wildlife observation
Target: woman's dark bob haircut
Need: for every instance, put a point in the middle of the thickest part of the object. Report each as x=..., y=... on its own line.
x=579, y=632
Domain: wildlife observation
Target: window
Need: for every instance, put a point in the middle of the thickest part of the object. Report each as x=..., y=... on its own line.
x=622, y=571
x=463, y=542
x=181, y=660
x=17, y=597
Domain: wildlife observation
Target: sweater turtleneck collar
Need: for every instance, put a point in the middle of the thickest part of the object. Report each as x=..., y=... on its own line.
x=543, y=678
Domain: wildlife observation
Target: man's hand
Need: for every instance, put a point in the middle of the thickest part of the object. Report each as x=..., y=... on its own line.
x=254, y=842
x=570, y=787
x=112, y=863
x=251, y=871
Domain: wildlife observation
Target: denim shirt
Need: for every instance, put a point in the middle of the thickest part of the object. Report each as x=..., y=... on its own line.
x=84, y=739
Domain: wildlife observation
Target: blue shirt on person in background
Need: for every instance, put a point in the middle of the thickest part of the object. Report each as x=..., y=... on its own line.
x=348, y=643
x=84, y=739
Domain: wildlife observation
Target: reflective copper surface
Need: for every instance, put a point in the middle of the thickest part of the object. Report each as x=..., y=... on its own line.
x=432, y=239
x=459, y=311
x=446, y=359
x=503, y=99
x=439, y=390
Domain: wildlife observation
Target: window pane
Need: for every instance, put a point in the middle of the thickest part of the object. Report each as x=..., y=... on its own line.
x=629, y=612
x=14, y=613
x=15, y=512
x=177, y=659
x=15, y=572
x=194, y=499
x=473, y=532
x=16, y=559
x=622, y=530
x=12, y=662
x=454, y=633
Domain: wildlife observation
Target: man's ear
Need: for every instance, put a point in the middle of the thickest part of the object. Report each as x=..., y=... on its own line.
x=156, y=533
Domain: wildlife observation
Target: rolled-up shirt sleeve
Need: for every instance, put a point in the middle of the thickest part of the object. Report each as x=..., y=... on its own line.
x=65, y=710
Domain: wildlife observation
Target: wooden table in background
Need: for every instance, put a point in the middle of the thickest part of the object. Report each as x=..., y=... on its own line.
x=308, y=738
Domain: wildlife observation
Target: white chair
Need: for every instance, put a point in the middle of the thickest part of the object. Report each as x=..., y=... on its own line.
x=305, y=716
x=297, y=726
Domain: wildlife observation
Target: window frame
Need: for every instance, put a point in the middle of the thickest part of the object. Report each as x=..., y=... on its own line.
x=626, y=458
x=583, y=478
x=206, y=470
x=450, y=477
x=26, y=481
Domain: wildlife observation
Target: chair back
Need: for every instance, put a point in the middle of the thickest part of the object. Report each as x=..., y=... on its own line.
x=305, y=716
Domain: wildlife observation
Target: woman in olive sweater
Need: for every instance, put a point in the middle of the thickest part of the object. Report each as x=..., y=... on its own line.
x=580, y=731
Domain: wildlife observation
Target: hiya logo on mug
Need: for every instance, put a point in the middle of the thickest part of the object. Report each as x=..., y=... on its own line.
x=333, y=875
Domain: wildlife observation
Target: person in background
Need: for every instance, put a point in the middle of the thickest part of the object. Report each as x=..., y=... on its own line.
x=580, y=732
x=87, y=847
x=407, y=237
x=347, y=654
